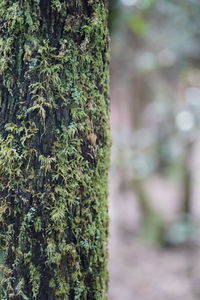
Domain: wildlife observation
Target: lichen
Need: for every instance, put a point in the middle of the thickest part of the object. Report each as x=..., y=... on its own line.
x=54, y=149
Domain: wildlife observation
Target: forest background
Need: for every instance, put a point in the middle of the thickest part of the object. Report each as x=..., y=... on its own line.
x=155, y=173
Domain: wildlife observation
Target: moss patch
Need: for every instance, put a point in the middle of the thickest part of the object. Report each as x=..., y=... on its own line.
x=54, y=149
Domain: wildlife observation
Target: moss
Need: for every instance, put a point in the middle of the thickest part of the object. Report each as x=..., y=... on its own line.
x=54, y=149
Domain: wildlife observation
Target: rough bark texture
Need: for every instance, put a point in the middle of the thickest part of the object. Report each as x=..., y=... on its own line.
x=54, y=149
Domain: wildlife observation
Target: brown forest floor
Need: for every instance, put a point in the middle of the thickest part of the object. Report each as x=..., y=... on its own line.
x=142, y=272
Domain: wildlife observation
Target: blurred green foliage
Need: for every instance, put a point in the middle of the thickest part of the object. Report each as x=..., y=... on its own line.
x=156, y=53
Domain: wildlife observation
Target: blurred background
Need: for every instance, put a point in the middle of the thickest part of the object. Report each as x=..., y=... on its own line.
x=155, y=170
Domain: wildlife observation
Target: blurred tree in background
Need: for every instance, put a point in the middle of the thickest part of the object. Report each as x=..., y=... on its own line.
x=155, y=61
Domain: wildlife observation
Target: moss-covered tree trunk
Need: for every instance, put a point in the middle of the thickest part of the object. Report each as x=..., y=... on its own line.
x=54, y=147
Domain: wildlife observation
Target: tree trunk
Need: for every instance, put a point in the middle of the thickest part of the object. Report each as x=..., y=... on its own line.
x=54, y=148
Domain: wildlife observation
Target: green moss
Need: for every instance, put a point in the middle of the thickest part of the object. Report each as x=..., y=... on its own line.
x=54, y=150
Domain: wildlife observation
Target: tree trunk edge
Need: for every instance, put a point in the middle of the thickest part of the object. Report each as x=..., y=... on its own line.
x=54, y=152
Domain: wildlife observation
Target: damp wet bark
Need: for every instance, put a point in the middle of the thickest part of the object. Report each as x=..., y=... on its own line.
x=54, y=149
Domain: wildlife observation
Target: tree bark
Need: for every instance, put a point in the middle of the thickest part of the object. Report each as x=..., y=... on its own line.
x=54, y=149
